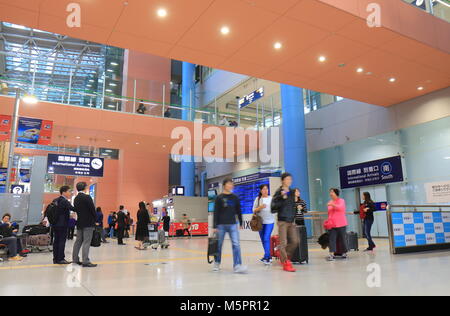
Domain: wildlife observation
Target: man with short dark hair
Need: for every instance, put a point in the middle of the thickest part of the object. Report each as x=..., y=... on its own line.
x=7, y=238
x=86, y=217
x=121, y=225
x=283, y=203
x=61, y=228
x=227, y=220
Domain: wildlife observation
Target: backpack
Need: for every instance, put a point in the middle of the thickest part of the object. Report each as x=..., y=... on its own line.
x=52, y=212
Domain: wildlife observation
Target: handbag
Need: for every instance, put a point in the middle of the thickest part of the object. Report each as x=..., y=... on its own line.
x=213, y=248
x=362, y=214
x=329, y=224
x=256, y=224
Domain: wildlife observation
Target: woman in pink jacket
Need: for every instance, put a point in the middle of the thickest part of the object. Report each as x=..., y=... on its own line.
x=338, y=221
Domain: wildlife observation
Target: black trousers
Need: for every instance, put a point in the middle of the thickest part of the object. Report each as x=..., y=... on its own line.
x=120, y=235
x=70, y=233
x=59, y=243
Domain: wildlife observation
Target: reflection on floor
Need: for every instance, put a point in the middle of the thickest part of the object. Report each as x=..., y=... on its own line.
x=183, y=270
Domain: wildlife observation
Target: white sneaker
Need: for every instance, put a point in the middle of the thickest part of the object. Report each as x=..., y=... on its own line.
x=240, y=269
x=216, y=267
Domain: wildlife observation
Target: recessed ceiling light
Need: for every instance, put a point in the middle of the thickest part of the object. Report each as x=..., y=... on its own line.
x=420, y=88
x=137, y=143
x=392, y=80
x=114, y=64
x=78, y=137
x=162, y=13
x=225, y=30
x=278, y=45
x=322, y=59
x=360, y=70
x=108, y=140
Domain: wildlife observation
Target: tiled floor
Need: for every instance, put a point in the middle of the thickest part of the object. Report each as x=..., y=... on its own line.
x=182, y=270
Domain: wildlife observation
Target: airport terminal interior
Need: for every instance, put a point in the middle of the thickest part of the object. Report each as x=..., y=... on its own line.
x=224, y=148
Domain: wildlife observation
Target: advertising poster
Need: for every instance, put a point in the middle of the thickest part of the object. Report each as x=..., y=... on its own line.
x=5, y=127
x=25, y=175
x=34, y=131
x=438, y=192
x=3, y=173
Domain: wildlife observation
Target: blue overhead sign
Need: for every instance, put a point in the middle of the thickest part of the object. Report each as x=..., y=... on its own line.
x=388, y=170
x=252, y=97
x=75, y=165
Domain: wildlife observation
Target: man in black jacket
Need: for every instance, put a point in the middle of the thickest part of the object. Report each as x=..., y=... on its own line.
x=121, y=225
x=61, y=228
x=283, y=203
x=86, y=217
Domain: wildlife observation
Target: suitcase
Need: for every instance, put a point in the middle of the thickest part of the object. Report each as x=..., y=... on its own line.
x=180, y=233
x=274, y=247
x=352, y=241
x=301, y=254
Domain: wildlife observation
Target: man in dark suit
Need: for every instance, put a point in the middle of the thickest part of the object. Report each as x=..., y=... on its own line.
x=86, y=217
x=61, y=228
x=121, y=224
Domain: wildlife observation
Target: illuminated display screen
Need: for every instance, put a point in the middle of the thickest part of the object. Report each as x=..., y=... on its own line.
x=247, y=193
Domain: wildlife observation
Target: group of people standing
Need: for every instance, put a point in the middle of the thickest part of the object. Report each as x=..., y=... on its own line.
x=290, y=209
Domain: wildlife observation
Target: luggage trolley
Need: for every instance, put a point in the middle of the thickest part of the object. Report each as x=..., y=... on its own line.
x=157, y=237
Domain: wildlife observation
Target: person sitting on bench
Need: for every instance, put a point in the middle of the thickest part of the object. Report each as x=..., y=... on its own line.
x=9, y=229
x=10, y=241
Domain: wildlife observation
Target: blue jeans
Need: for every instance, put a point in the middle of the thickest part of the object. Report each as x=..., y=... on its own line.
x=265, y=235
x=233, y=231
x=368, y=223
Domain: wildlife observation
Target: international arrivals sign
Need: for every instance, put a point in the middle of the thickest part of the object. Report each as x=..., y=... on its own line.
x=383, y=171
x=75, y=165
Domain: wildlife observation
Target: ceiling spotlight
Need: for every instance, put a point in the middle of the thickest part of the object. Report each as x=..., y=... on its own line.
x=278, y=45
x=359, y=70
x=162, y=13
x=420, y=88
x=78, y=137
x=114, y=64
x=392, y=80
x=322, y=59
x=225, y=30
x=30, y=99
x=137, y=143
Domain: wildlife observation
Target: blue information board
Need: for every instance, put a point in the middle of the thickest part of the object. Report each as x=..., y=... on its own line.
x=388, y=170
x=247, y=193
x=420, y=229
x=75, y=165
x=252, y=97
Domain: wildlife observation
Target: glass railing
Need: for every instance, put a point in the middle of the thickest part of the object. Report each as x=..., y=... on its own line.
x=149, y=98
x=438, y=8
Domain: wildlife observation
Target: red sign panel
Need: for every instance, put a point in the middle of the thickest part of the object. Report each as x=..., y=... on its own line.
x=5, y=127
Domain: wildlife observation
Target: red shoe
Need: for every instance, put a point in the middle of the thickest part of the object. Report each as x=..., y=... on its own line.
x=287, y=266
x=26, y=251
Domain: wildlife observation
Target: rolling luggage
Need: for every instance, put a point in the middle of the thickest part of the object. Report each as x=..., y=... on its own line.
x=275, y=247
x=301, y=254
x=352, y=241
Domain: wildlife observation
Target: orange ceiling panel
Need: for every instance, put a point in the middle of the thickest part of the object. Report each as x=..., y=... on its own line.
x=411, y=45
x=301, y=37
x=336, y=49
x=139, y=18
x=320, y=15
x=103, y=14
x=205, y=33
